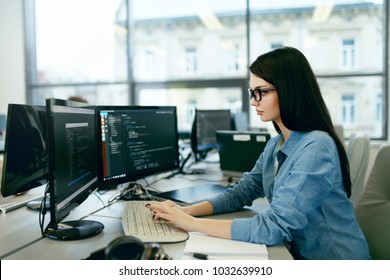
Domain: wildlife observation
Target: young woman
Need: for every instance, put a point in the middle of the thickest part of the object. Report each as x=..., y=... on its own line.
x=303, y=172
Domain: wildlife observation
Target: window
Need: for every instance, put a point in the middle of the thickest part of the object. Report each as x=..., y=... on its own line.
x=348, y=53
x=348, y=108
x=150, y=61
x=233, y=57
x=379, y=108
x=205, y=46
x=190, y=60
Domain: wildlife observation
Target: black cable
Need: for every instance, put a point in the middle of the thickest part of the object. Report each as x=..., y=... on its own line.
x=42, y=210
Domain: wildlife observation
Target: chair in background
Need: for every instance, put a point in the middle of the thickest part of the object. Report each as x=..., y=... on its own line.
x=350, y=144
x=359, y=154
x=340, y=133
x=373, y=208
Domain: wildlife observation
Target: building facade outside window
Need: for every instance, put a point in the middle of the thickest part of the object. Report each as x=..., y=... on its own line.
x=197, y=55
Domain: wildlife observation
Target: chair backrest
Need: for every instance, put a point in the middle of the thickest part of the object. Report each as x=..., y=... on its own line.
x=350, y=144
x=339, y=129
x=373, y=208
x=358, y=160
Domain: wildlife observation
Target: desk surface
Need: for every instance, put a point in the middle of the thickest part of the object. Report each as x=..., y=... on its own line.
x=20, y=233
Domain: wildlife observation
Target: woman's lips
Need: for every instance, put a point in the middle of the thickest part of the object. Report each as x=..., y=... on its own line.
x=259, y=112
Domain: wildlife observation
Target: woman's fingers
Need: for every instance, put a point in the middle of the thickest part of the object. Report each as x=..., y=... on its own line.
x=171, y=213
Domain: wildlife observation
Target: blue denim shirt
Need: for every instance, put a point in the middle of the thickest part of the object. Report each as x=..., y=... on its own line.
x=309, y=209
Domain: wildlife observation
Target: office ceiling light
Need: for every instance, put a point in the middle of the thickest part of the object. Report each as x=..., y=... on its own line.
x=210, y=20
x=322, y=12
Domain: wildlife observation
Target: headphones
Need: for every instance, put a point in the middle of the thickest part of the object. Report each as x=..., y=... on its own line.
x=129, y=248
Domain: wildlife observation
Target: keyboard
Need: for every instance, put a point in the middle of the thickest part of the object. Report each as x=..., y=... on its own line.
x=10, y=203
x=137, y=221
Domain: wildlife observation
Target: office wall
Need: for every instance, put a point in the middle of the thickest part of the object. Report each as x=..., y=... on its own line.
x=12, y=65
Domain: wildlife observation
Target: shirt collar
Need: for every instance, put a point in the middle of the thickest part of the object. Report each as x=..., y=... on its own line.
x=292, y=141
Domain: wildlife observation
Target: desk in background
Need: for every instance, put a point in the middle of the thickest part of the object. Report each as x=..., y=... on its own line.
x=20, y=235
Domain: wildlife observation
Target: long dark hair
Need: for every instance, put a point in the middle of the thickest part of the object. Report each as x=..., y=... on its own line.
x=302, y=107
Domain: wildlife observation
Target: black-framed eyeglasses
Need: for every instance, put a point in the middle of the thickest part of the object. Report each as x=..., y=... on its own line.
x=257, y=93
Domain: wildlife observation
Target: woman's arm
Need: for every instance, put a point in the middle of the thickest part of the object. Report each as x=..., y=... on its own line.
x=203, y=208
x=183, y=218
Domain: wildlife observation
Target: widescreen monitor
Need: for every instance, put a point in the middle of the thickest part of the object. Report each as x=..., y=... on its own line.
x=73, y=167
x=25, y=159
x=135, y=142
x=204, y=127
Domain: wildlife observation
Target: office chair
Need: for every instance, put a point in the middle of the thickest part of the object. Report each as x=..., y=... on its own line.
x=339, y=129
x=359, y=156
x=350, y=144
x=373, y=208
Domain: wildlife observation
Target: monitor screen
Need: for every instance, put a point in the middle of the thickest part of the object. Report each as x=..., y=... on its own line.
x=73, y=167
x=25, y=159
x=136, y=141
x=205, y=125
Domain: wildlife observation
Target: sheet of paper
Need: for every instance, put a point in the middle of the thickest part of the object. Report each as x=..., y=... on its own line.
x=223, y=249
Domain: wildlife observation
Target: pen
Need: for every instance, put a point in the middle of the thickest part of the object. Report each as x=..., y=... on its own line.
x=200, y=256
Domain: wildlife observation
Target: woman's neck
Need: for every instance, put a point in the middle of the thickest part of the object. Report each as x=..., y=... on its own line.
x=285, y=131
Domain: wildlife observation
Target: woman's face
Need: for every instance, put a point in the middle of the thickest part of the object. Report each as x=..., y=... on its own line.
x=268, y=107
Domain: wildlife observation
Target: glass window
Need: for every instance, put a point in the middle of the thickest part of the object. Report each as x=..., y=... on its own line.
x=187, y=99
x=348, y=53
x=82, y=47
x=200, y=39
x=348, y=108
x=198, y=46
x=233, y=57
x=344, y=41
x=190, y=60
x=79, y=47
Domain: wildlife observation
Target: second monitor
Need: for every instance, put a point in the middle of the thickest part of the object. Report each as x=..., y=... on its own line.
x=204, y=127
x=136, y=141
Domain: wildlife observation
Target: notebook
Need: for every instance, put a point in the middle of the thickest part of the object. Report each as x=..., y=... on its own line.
x=223, y=249
x=239, y=150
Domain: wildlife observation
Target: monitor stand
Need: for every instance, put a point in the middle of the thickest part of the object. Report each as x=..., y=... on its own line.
x=74, y=230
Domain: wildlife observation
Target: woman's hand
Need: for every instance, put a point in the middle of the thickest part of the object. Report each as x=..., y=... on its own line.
x=170, y=211
x=181, y=217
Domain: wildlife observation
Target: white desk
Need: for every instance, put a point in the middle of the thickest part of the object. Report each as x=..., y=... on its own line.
x=20, y=235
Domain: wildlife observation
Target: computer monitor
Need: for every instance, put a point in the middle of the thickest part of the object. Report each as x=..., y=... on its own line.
x=25, y=159
x=239, y=150
x=135, y=142
x=205, y=124
x=73, y=167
